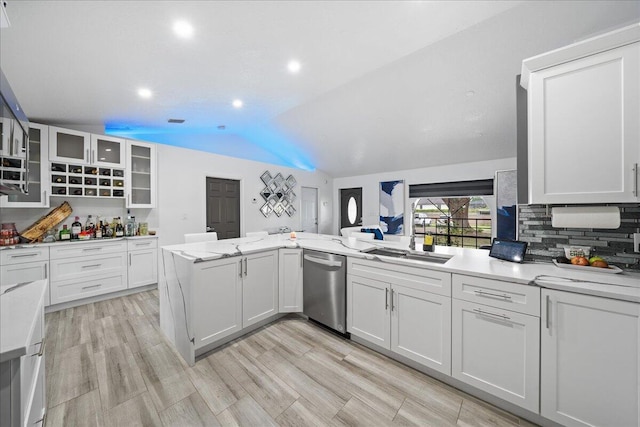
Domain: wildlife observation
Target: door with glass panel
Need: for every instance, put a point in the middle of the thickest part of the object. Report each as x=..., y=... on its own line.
x=141, y=175
x=350, y=207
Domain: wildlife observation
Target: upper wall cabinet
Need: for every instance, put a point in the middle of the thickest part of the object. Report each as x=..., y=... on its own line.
x=38, y=196
x=584, y=132
x=77, y=147
x=141, y=175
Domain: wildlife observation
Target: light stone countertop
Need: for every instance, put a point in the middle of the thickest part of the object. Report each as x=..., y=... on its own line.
x=473, y=262
x=73, y=242
x=19, y=312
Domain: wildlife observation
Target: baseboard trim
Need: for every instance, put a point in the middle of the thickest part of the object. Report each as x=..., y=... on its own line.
x=97, y=298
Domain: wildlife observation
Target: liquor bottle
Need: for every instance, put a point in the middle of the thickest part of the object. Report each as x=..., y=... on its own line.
x=76, y=170
x=76, y=228
x=88, y=226
x=74, y=181
x=59, y=179
x=98, y=232
x=119, y=228
x=65, y=234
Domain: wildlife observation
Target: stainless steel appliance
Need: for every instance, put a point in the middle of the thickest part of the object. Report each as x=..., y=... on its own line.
x=325, y=289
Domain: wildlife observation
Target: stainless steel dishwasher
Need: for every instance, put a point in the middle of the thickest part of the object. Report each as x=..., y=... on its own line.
x=325, y=289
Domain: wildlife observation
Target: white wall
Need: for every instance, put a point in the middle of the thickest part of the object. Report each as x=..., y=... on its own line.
x=182, y=204
x=370, y=185
x=181, y=196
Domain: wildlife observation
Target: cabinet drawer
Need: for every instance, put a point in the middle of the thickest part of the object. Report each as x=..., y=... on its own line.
x=77, y=289
x=505, y=295
x=424, y=279
x=82, y=249
x=20, y=255
x=88, y=267
x=137, y=244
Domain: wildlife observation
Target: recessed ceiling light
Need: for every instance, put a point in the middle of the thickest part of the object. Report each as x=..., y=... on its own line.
x=183, y=29
x=237, y=103
x=144, y=93
x=294, y=66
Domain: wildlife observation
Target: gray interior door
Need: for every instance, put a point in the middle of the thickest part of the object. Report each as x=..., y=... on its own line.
x=350, y=199
x=223, y=207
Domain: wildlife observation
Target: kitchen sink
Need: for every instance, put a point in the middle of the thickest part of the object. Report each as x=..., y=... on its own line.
x=406, y=254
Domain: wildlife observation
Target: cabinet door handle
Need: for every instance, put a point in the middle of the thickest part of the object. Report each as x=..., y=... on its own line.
x=635, y=179
x=246, y=262
x=491, y=294
x=548, y=310
x=45, y=270
x=487, y=313
x=41, y=351
x=386, y=298
x=240, y=267
x=393, y=307
x=129, y=259
x=88, y=156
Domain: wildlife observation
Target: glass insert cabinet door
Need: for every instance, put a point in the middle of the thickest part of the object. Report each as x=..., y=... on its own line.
x=141, y=167
x=107, y=151
x=66, y=145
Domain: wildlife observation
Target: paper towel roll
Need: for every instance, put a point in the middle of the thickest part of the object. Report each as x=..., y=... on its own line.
x=585, y=217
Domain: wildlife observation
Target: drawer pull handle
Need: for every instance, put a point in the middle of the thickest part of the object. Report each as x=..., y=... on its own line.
x=486, y=313
x=491, y=294
x=91, y=249
x=41, y=351
x=24, y=255
x=91, y=266
x=92, y=286
x=143, y=244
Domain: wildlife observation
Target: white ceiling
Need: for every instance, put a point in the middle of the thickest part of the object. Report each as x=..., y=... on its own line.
x=384, y=85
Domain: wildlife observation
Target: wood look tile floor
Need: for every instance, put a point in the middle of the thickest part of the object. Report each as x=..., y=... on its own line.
x=108, y=364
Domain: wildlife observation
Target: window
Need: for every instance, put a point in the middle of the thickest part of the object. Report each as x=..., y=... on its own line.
x=455, y=213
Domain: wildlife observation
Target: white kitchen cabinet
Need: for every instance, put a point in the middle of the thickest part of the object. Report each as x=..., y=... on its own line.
x=39, y=176
x=368, y=310
x=141, y=175
x=22, y=379
x=584, y=130
x=590, y=360
x=259, y=287
x=496, y=338
x=88, y=269
x=143, y=262
x=216, y=300
x=25, y=265
x=290, y=281
x=83, y=148
x=66, y=145
x=389, y=305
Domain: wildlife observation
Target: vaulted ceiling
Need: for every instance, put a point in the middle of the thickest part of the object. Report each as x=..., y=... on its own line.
x=383, y=86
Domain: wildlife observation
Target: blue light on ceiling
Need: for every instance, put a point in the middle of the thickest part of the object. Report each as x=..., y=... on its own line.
x=258, y=143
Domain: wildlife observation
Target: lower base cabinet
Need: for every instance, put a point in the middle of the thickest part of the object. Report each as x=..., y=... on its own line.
x=497, y=351
x=590, y=360
x=411, y=322
x=290, y=281
x=142, y=267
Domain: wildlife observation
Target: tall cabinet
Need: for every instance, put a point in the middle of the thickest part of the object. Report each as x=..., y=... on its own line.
x=141, y=175
x=39, y=177
x=584, y=132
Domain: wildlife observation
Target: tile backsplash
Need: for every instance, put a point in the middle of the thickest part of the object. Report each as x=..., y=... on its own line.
x=546, y=242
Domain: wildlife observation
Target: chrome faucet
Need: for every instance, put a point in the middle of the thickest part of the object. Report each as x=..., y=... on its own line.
x=412, y=239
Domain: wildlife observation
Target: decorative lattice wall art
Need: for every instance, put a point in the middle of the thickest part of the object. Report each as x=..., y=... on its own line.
x=278, y=194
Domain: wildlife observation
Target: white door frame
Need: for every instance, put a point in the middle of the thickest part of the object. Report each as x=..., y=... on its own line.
x=317, y=207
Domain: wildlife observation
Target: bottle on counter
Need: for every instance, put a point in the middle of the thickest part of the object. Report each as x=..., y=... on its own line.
x=98, y=231
x=119, y=228
x=76, y=228
x=65, y=233
x=89, y=225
